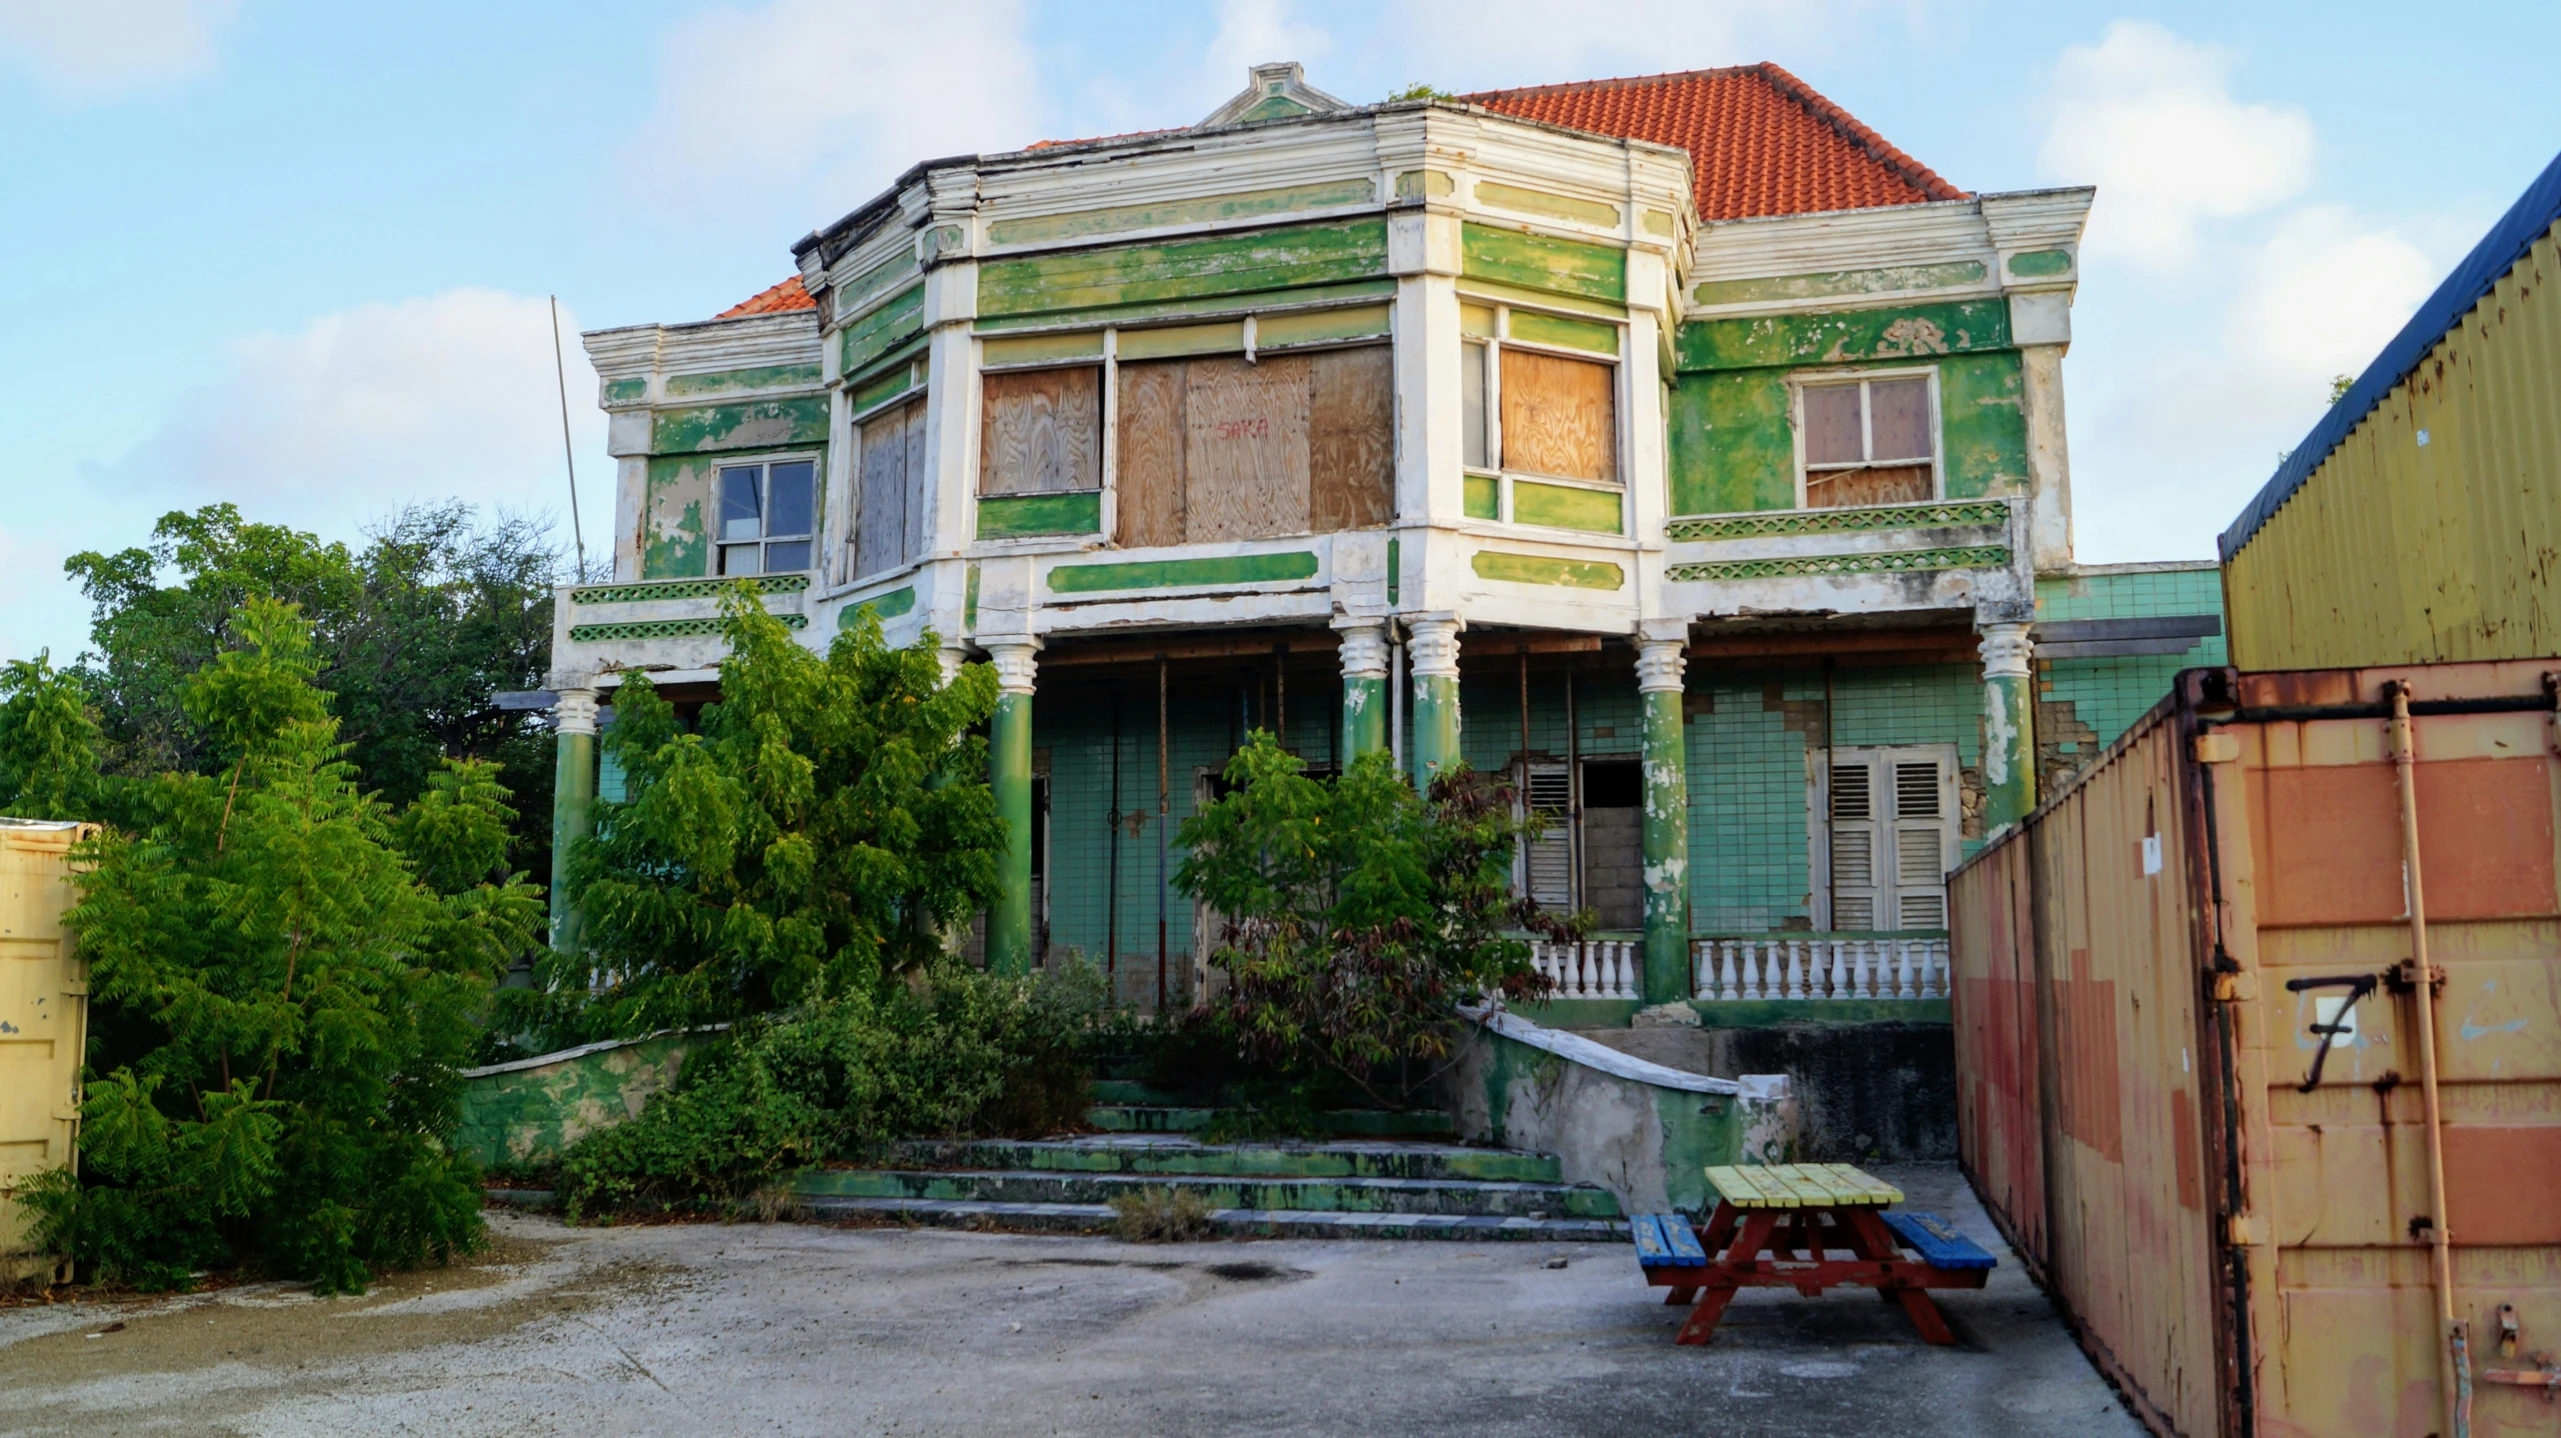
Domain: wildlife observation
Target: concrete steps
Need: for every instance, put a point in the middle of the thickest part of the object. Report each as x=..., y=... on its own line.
x=1177, y=1154
x=1179, y=1118
x=1461, y=1197
x=1230, y=1222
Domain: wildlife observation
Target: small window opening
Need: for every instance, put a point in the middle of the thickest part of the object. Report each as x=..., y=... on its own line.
x=768, y=516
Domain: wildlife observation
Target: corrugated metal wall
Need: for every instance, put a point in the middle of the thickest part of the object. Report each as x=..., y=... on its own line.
x=2080, y=1068
x=2188, y=1220
x=43, y=1022
x=2399, y=552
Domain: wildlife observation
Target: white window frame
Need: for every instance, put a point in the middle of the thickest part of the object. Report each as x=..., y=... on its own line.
x=1798, y=384
x=721, y=544
x=1494, y=468
x=1886, y=888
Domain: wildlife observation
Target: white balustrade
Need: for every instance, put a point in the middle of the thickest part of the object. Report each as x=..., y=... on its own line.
x=1821, y=969
x=1593, y=969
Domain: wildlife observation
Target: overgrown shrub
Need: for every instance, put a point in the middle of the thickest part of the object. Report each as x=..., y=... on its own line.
x=1159, y=1215
x=952, y=1054
x=1359, y=914
x=284, y=977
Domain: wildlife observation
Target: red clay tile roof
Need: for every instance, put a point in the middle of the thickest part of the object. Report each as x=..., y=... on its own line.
x=780, y=299
x=1761, y=141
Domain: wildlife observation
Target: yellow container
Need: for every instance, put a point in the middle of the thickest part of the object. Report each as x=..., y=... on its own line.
x=44, y=1023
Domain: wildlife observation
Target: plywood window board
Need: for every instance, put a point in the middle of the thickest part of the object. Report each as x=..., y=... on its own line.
x=1041, y=431
x=1559, y=416
x=1219, y=448
x=889, y=517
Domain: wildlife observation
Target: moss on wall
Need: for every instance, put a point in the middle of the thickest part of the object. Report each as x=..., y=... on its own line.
x=531, y=1113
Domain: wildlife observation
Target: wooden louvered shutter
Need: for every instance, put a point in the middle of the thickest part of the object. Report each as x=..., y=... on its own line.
x=1853, y=843
x=1548, y=860
x=1920, y=845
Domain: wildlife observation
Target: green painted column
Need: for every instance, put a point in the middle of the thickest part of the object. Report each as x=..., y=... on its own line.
x=1364, y=650
x=1434, y=647
x=1659, y=667
x=2009, y=725
x=1009, y=762
x=573, y=805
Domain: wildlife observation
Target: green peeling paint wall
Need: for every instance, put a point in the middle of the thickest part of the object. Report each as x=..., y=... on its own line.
x=1731, y=438
x=1245, y=205
x=1183, y=573
x=532, y=1114
x=1537, y=262
x=881, y=331
x=677, y=507
x=1216, y=266
x=758, y=424
x=1017, y=515
x=788, y=376
x=1842, y=283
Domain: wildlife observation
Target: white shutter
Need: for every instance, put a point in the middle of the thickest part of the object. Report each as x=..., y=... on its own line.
x=1548, y=860
x=1888, y=833
x=1854, y=843
x=1920, y=847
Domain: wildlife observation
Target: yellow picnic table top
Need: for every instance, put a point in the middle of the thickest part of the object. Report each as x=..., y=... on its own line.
x=1800, y=1185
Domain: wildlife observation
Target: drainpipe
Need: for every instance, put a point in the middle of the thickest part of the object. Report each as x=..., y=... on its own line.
x=2453, y=1370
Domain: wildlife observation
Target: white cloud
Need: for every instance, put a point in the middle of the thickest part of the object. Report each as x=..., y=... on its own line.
x=2324, y=293
x=362, y=411
x=1255, y=32
x=1491, y=43
x=818, y=104
x=2149, y=118
x=88, y=51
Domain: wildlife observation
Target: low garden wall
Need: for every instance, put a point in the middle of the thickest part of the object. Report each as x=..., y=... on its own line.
x=531, y=1110
x=1642, y=1130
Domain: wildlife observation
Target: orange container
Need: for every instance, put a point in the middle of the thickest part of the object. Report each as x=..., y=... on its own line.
x=2243, y=1226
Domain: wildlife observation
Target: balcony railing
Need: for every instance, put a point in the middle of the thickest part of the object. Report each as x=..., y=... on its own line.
x=1593, y=969
x=1820, y=966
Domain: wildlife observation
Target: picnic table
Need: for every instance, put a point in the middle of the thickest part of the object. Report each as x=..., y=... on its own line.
x=1781, y=1225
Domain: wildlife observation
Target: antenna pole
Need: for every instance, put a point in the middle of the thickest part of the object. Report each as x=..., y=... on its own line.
x=560, y=371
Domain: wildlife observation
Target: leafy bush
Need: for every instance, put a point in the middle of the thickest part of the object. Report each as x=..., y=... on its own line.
x=284, y=978
x=1359, y=913
x=811, y=837
x=954, y=1053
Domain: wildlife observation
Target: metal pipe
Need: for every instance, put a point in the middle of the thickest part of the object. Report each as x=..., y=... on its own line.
x=1164, y=839
x=1111, y=897
x=2422, y=988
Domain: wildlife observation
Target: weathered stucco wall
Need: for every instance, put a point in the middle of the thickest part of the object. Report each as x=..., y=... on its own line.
x=1645, y=1132
x=1882, y=1090
x=530, y=1111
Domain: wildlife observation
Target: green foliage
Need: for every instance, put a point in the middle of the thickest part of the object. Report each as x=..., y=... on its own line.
x=412, y=632
x=48, y=743
x=954, y=1052
x=2340, y=384
x=284, y=976
x=811, y=836
x=1420, y=91
x=1358, y=913
x=1159, y=1215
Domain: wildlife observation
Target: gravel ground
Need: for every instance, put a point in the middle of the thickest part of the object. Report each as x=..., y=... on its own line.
x=786, y=1328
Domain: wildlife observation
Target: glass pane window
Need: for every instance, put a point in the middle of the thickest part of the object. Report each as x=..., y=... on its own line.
x=1869, y=442
x=1473, y=450
x=768, y=514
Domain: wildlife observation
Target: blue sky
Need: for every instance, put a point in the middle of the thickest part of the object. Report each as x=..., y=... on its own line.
x=296, y=255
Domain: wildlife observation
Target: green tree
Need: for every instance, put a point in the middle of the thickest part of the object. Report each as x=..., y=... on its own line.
x=48, y=743
x=1420, y=91
x=414, y=630
x=1359, y=913
x=284, y=978
x=815, y=832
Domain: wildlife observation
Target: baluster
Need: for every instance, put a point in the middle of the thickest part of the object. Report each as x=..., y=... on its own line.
x=1898, y=968
x=1725, y=987
x=1838, y=985
x=1751, y=969
x=1698, y=970
x=1628, y=952
x=1588, y=965
x=1618, y=969
x=1795, y=969
x=1858, y=968
x=1934, y=974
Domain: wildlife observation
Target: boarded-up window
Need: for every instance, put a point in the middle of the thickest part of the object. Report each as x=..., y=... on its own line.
x=1560, y=416
x=1887, y=836
x=1869, y=442
x=1042, y=432
x=1222, y=448
x=889, y=520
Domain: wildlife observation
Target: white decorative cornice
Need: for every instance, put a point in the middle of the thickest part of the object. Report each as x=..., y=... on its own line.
x=1660, y=663
x=1016, y=662
x=576, y=712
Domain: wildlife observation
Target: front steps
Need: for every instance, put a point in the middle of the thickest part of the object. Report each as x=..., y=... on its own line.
x=1342, y=1189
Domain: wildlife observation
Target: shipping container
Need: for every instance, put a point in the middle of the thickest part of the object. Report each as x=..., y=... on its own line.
x=2277, y=1184
x=44, y=1013
x=2420, y=520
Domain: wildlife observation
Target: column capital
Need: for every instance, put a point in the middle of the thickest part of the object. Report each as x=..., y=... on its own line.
x=576, y=712
x=1434, y=645
x=2006, y=650
x=1364, y=647
x=1660, y=665
x=950, y=658
x=1015, y=658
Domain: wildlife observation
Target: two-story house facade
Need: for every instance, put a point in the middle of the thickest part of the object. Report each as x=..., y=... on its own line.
x=1675, y=445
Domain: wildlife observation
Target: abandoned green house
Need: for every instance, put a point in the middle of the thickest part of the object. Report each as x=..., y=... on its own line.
x=1675, y=445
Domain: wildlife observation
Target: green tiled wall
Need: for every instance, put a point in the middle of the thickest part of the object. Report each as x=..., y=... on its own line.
x=2108, y=695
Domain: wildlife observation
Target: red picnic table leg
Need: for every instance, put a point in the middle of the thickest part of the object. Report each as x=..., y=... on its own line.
x=1719, y=1287
x=1877, y=1241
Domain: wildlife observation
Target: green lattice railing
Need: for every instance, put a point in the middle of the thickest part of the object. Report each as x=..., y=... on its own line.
x=1892, y=561
x=1778, y=523
x=662, y=628
x=652, y=589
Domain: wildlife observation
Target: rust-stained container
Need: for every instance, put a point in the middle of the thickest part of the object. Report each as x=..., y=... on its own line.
x=2420, y=520
x=44, y=1012
x=2242, y=1228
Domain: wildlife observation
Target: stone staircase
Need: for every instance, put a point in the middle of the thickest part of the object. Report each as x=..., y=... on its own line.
x=1336, y=1188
